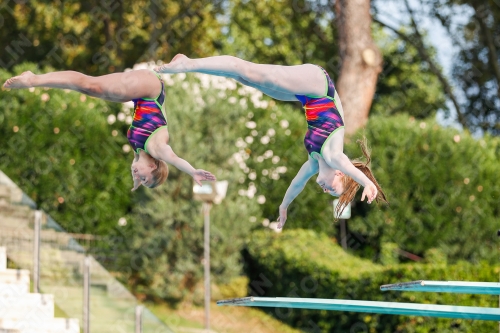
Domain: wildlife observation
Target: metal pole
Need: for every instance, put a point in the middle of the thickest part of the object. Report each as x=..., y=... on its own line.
x=86, y=295
x=36, y=251
x=343, y=236
x=138, y=318
x=206, y=213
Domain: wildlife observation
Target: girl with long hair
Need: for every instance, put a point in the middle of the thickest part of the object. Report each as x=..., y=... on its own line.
x=324, y=139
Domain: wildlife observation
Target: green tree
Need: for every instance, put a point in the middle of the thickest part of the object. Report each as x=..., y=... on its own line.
x=406, y=83
x=474, y=81
x=98, y=37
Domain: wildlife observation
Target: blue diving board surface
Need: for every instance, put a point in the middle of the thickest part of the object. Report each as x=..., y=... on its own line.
x=407, y=309
x=458, y=287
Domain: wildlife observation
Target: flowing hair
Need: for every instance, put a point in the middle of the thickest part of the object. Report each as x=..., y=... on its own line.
x=351, y=186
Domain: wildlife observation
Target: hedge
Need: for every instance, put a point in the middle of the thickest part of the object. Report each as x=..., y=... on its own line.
x=303, y=263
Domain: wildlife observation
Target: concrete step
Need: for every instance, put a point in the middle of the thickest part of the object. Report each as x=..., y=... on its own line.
x=66, y=325
x=5, y=193
x=9, y=210
x=55, y=237
x=29, y=307
x=3, y=258
x=14, y=289
x=15, y=276
x=16, y=222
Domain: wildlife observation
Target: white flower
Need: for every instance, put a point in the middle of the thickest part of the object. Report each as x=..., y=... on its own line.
x=111, y=119
x=251, y=124
x=261, y=199
x=281, y=169
x=240, y=143
x=268, y=154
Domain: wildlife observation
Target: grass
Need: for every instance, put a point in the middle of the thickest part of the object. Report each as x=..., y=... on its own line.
x=223, y=319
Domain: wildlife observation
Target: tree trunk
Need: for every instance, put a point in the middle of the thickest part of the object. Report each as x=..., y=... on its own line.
x=361, y=62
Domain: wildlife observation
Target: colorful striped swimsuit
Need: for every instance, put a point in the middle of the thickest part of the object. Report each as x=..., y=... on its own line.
x=149, y=117
x=323, y=117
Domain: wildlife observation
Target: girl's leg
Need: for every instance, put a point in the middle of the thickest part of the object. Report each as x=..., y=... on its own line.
x=304, y=79
x=269, y=92
x=117, y=87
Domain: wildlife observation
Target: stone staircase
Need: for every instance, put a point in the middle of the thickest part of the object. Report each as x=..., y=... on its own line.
x=23, y=312
x=112, y=306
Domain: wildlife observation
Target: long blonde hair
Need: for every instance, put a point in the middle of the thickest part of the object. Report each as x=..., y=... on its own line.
x=351, y=186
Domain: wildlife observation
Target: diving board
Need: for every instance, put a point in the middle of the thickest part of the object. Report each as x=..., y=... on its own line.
x=458, y=287
x=407, y=309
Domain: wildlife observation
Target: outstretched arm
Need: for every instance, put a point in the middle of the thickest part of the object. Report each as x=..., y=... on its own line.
x=298, y=183
x=165, y=153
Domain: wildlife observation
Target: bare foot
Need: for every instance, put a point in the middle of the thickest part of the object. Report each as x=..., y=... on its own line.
x=176, y=65
x=21, y=81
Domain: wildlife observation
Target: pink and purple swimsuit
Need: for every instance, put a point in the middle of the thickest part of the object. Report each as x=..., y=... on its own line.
x=323, y=117
x=149, y=117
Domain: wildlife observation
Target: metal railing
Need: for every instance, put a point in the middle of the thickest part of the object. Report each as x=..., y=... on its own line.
x=59, y=265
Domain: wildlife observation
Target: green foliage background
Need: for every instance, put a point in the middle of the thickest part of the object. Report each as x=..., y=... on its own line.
x=98, y=37
x=442, y=188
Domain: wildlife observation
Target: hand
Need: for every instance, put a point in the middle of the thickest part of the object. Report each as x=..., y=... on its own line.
x=282, y=217
x=200, y=175
x=370, y=192
x=176, y=65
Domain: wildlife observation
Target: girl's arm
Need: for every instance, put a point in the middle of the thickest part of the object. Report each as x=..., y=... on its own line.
x=307, y=170
x=165, y=153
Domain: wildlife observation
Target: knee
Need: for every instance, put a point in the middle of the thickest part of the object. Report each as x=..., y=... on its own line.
x=91, y=86
x=251, y=73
